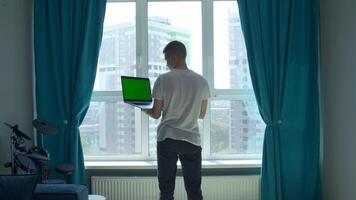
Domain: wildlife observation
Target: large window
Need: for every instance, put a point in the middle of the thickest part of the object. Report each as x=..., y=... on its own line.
x=135, y=34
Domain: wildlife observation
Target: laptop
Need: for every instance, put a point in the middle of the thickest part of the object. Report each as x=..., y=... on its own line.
x=136, y=91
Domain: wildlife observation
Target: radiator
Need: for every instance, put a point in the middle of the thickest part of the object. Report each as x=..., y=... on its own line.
x=146, y=188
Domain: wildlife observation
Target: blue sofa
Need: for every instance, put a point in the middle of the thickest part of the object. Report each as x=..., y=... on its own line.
x=16, y=187
x=25, y=187
x=60, y=192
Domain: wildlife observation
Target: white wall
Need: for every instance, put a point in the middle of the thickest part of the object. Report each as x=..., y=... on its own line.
x=338, y=92
x=15, y=71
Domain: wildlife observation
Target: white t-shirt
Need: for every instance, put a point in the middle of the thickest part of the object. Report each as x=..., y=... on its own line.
x=182, y=92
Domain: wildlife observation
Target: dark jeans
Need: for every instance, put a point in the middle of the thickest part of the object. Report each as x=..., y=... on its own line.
x=168, y=152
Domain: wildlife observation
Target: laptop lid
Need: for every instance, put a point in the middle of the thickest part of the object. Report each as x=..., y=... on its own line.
x=136, y=89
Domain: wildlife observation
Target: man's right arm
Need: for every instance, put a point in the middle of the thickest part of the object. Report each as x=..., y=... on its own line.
x=203, y=107
x=155, y=112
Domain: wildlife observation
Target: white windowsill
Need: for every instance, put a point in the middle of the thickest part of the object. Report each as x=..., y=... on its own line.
x=207, y=164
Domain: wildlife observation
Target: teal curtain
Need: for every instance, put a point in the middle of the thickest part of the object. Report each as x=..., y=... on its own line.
x=283, y=46
x=67, y=38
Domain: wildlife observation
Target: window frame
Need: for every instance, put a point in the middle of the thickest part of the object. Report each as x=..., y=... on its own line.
x=207, y=12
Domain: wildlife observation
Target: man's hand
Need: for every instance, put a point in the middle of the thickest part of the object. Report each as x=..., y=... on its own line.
x=155, y=112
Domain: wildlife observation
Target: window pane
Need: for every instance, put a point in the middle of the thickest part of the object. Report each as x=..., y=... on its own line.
x=110, y=126
x=118, y=48
x=169, y=21
x=236, y=127
x=231, y=69
x=152, y=137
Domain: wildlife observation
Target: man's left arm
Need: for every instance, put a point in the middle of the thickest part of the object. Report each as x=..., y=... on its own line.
x=156, y=111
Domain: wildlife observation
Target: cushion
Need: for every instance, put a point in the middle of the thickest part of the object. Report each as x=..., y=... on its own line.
x=61, y=192
x=17, y=187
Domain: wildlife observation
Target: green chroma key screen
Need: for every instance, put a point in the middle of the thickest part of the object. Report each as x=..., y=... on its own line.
x=136, y=89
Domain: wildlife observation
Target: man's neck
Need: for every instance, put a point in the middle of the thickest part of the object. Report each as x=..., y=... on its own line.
x=181, y=66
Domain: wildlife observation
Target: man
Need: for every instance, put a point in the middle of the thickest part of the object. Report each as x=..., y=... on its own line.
x=181, y=96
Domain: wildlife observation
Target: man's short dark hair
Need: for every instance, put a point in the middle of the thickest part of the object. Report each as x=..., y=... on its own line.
x=176, y=48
